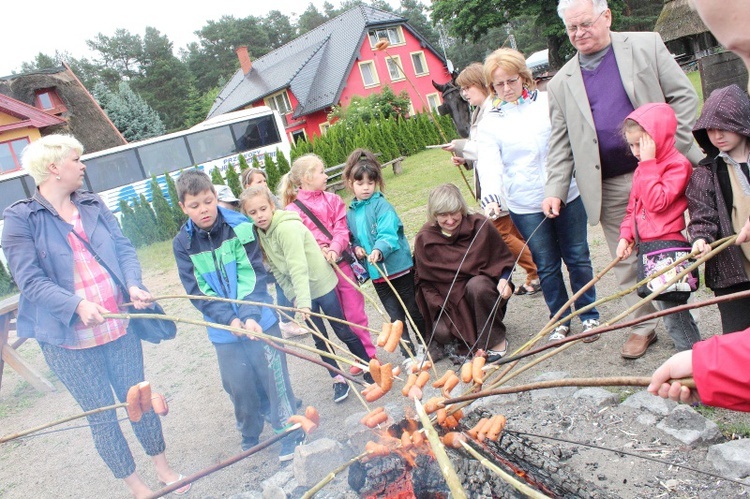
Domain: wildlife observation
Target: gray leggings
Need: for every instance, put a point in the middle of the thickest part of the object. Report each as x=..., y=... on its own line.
x=90, y=375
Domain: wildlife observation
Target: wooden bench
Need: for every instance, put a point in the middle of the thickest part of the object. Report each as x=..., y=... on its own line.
x=8, y=313
x=336, y=182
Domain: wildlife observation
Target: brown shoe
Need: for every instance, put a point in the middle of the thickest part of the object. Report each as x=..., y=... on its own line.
x=637, y=345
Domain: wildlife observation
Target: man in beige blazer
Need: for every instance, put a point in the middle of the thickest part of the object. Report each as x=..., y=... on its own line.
x=647, y=73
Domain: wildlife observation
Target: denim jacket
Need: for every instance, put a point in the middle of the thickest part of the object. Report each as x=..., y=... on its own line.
x=35, y=242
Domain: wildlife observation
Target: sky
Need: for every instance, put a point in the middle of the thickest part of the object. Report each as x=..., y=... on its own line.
x=65, y=26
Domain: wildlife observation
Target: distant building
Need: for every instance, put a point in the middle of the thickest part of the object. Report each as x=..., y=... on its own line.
x=683, y=31
x=329, y=65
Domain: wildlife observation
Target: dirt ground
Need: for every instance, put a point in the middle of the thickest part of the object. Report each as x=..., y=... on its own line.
x=200, y=429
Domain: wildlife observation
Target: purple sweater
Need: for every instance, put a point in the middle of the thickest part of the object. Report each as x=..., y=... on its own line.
x=610, y=106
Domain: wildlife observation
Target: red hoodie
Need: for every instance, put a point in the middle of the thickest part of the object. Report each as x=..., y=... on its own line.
x=657, y=198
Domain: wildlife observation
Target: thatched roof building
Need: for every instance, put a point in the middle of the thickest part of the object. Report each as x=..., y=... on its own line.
x=683, y=31
x=83, y=117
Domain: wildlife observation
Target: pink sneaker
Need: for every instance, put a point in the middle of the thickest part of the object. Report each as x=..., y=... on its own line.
x=291, y=330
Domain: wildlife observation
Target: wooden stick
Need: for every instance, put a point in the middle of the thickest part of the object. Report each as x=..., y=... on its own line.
x=446, y=467
x=13, y=436
x=223, y=464
x=330, y=476
x=540, y=385
x=359, y=288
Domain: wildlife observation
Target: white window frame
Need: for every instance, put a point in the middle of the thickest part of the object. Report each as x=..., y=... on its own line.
x=324, y=127
x=271, y=101
x=391, y=32
x=397, y=66
x=291, y=135
x=412, y=111
x=422, y=60
x=373, y=70
x=437, y=102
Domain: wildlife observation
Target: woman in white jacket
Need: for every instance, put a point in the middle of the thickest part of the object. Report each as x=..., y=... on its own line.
x=513, y=142
x=474, y=89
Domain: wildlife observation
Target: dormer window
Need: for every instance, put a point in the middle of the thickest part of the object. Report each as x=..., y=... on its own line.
x=394, y=35
x=48, y=100
x=279, y=102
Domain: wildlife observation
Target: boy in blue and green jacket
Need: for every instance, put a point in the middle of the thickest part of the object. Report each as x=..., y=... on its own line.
x=217, y=254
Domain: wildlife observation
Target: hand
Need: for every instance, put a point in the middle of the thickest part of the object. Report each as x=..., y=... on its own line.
x=624, y=249
x=305, y=313
x=331, y=256
x=744, y=235
x=504, y=288
x=680, y=365
x=140, y=297
x=449, y=147
x=90, y=313
x=252, y=326
x=701, y=247
x=648, y=147
x=458, y=160
x=360, y=252
x=551, y=207
x=492, y=210
x=237, y=323
x=375, y=256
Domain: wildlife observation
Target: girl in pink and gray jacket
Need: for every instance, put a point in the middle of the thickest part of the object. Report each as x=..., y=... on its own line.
x=303, y=190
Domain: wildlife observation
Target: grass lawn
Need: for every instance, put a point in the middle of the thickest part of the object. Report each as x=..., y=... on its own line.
x=695, y=79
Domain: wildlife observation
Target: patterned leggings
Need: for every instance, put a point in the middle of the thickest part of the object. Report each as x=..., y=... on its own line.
x=90, y=375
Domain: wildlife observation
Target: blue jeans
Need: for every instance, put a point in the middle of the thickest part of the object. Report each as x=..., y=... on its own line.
x=561, y=239
x=681, y=327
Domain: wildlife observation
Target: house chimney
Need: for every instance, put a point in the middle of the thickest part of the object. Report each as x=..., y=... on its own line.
x=245, y=63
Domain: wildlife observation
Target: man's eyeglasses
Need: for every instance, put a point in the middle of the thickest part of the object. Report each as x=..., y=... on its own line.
x=507, y=83
x=572, y=30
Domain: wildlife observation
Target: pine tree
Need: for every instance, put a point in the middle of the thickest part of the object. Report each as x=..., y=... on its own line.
x=130, y=224
x=177, y=214
x=281, y=162
x=243, y=163
x=7, y=285
x=255, y=162
x=272, y=172
x=146, y=220
x=233, y=180
x=164, y=221
x=216, y=177
x=130, y=113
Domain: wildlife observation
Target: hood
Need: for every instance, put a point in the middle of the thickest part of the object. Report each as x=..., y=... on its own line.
x=727, y=108
x=660, y=122
x=281, y=217
x=359, y=202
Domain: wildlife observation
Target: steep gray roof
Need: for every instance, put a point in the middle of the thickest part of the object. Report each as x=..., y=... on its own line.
x=315, y=65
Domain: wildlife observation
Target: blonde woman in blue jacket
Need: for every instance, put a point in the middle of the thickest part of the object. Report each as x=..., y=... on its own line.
x=378, y=237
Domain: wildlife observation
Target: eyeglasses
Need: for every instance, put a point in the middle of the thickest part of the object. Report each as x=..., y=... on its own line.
x=572, y=30
x=507, y=83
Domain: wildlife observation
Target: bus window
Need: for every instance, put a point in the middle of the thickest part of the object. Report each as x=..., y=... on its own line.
x=211, y=144
x=166, y=156
x=256, y=133
x=113, y=170
x=13, y=190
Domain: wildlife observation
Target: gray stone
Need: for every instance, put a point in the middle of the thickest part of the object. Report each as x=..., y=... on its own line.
x=731, y=459
x=253, y=494
x=495, y=401
x=315, y=460
x=562, y=392
x=646, y=419
x=279, y=479
x=651, y=403
x=597, y=396
x=689, y=427
x=274, y=492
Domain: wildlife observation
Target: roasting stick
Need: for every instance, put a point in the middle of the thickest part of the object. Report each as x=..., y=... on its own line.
x=417, y=332
x=446, y=467
x=365, y=295
x=541, y=385
x=223, y=464
x=13, y=436
x=273, y=341
x=330, y=476
x=512, y=481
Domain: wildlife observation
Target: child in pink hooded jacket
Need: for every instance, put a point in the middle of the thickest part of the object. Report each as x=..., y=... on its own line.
x=306, y=183
x=657, y=198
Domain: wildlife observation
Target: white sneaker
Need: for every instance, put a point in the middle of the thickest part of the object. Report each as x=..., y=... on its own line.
x=292, y=330
x=588, y=325
x=558, y=334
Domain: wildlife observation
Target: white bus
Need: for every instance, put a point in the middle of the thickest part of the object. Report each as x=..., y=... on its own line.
x=124, y=172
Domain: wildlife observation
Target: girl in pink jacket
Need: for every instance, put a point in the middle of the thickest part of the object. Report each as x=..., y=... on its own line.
x=303, y=190
x=657, y=198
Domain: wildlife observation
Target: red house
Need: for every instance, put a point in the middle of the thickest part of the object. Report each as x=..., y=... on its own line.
x=303, y=79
